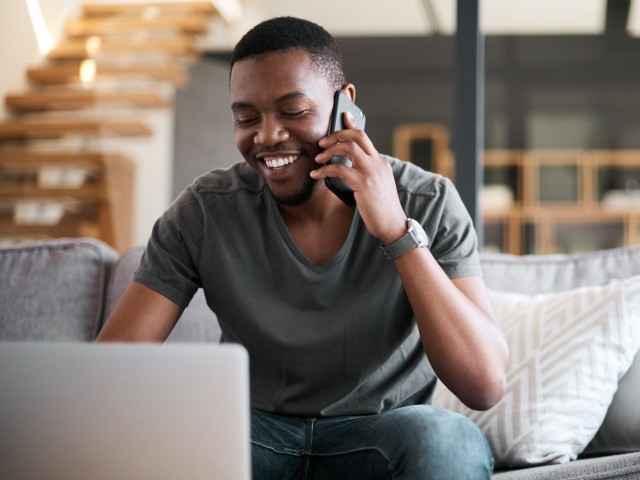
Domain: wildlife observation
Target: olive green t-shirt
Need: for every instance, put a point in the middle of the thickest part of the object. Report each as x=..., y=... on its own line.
x=335, y=339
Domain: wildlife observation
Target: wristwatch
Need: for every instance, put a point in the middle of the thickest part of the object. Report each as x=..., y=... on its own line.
x=415, y=237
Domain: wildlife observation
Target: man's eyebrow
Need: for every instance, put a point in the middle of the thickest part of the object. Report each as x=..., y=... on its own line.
x=290, y=96
x=283, y=98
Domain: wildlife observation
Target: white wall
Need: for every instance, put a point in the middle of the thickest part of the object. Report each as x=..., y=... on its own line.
x=18, y=47
x=153, y=157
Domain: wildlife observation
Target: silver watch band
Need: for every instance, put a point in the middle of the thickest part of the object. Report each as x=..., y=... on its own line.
x=415, y=237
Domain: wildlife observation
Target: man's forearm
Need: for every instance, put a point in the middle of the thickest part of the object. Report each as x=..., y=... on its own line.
x=463, y=344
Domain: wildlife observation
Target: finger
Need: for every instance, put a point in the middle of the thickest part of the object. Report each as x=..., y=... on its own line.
x=347, y=174
x=353, y=135
x=344, y=149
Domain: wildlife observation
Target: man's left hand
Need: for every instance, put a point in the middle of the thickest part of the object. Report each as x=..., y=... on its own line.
x=370, y=178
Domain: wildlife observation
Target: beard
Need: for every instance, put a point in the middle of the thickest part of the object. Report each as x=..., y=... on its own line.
x=300, y=197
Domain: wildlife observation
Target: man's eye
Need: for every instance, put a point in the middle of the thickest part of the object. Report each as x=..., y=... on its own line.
x=294, y=113
x=243, y=121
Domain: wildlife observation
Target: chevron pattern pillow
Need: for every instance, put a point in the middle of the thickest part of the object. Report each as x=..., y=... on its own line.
x=568, y=351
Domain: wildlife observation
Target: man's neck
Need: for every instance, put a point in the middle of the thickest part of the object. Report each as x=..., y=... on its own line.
x=322, y=205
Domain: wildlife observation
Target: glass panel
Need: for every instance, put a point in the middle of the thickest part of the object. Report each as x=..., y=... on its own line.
x=493, y=237
x=422, y=153
x=571, y=238
x=558, y=184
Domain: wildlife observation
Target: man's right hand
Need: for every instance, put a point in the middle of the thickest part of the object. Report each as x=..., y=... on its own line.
x=141, y=315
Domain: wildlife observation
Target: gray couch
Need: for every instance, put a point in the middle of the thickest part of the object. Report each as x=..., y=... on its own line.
x=64, y=289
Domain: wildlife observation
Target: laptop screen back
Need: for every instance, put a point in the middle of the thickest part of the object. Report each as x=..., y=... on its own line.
x=134, y=411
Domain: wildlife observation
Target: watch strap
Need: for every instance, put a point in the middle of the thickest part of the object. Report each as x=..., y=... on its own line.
x=415, y=237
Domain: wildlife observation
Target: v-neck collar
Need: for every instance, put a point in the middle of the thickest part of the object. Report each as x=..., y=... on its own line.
x=291, y=244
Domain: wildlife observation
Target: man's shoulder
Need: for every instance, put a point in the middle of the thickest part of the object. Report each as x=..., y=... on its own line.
x=239, y=177
x=412, y=179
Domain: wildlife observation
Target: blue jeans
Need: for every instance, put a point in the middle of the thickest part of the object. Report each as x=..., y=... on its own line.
x=418, y=442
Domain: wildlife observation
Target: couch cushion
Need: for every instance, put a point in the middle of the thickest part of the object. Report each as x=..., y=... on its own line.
x=616, y=467
x=530, y=274
x=197, y=323
x=620, y=432
x=53, y=290
x=568, y=351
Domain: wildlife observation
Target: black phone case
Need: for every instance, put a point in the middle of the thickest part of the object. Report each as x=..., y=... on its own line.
x=342, y=103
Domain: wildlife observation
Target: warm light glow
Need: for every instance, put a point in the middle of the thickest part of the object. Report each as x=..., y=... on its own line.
x=87, y=72
x=150, y=13
x=633, y=24
x=39, y=27
x=230, y=10
x=93, y=45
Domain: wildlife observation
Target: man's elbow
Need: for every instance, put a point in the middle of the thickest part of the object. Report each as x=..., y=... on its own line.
x=489, y=394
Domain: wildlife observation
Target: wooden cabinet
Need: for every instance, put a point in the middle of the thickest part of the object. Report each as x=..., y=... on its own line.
x=551, y=201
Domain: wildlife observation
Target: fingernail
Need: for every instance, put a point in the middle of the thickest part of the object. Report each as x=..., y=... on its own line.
x=322, y=141
x=349, y=115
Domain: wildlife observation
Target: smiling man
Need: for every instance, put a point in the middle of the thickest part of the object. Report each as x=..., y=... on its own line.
x=348, y=313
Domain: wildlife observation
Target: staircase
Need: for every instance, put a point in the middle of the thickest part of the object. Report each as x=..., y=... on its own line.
x=114, y=62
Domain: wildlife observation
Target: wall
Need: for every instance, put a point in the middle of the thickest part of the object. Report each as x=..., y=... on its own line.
x=541, y=92
x=18, y=47
x=203, y=131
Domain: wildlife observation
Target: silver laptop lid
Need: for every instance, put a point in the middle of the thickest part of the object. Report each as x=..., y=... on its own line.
x=123, y=411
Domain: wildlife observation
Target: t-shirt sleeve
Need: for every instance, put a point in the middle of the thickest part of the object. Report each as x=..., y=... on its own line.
x=169, y=263
x=455, y=244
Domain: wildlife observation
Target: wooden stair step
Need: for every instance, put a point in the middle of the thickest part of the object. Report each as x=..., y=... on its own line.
x=108, y=9
x=68, y=227
x=59, y=99
x=69, y=73
x=81, y=49
x=21, y=157
x=42, y=129
x=86, y=192
x=188, y=25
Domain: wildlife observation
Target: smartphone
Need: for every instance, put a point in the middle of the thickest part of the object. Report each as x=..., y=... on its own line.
x=342, y=103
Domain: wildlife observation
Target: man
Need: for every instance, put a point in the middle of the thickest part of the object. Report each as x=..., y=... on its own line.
x=339, y=307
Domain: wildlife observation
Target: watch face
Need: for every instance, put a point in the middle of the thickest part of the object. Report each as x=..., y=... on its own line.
x=417, y=232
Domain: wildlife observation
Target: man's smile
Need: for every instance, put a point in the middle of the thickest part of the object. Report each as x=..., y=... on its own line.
x=278, y=160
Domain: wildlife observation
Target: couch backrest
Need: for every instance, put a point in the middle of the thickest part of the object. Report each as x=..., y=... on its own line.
x=197, y=323
x=54, y=290
x=553, y=273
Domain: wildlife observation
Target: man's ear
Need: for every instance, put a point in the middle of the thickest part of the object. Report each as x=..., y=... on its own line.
x=350, y=89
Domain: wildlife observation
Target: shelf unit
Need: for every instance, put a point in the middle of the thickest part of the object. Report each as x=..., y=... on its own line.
x=557, y=195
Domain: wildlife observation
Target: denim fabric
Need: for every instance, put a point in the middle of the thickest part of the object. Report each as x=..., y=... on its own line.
x=417, y=442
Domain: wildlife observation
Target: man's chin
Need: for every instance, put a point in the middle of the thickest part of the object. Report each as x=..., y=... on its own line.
x=293, y=200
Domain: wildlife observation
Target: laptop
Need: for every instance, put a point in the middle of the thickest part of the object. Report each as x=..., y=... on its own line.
x=91, y=411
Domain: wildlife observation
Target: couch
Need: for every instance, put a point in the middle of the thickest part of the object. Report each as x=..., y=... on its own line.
x=63, y=290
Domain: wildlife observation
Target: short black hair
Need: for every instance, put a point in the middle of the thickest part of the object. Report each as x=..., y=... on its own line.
x=286, y=33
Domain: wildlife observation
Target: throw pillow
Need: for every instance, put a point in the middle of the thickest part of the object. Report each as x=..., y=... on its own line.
x=568, y=351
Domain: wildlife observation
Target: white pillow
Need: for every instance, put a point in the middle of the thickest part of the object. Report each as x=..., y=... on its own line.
x=568, y=351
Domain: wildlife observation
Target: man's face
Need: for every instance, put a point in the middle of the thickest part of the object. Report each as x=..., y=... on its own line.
x=281, y=107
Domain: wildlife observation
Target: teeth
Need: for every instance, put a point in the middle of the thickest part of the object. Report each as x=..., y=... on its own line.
x=276, y=162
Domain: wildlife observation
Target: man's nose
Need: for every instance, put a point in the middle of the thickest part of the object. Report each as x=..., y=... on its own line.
x=271, y=132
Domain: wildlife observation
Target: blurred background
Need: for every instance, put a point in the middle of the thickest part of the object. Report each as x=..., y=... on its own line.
x=112, y=108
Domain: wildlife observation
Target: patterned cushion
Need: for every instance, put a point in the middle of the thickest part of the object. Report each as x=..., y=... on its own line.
x=568, y=351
